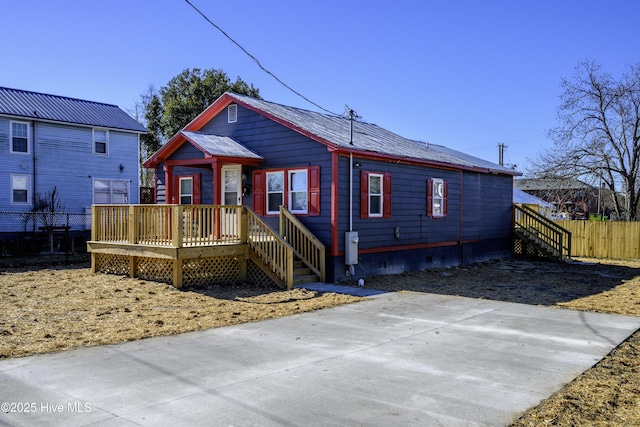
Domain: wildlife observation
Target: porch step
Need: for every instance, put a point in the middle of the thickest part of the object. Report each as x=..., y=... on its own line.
x=302, y=274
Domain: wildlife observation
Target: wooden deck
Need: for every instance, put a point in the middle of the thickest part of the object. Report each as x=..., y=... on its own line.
x=202, y=244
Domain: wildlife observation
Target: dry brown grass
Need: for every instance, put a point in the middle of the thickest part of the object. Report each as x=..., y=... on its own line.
x=61, y=309
x=58, y=309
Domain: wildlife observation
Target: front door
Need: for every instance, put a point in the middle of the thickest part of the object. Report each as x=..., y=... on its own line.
x=231, y=192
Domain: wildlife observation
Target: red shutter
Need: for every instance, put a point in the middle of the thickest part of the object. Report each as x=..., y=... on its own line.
x=429, y=198
x=197, y=193
x=386, y=196
x=445, y=198
x=259, y=191
x=314, y=190
x=175, y=190
x=364, y=194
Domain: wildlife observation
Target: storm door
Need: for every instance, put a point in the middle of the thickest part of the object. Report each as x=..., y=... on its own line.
x=231, y=192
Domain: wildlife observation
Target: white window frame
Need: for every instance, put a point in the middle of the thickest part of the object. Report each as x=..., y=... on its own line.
x=28, y=189
x=184, y=194
x=380, y=195
x=299, y=191
x=110, y=192
x=272, y=192
x=11, y=136
x=437, y=197
x=106, y=142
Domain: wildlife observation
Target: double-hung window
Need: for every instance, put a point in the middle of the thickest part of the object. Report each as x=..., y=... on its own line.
x=375, y=195
x=110, y=191
x=275, y=191
x=100, y=141
x=20, y=189
x=437, y=198
x=298, y=189
x=186, y=191
x=20, y=137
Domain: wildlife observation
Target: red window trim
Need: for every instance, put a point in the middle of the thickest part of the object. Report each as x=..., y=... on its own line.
x=445, y=199
x=313, y=190
x=386, y=195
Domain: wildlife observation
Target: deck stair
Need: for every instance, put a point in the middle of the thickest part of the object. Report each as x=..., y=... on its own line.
x=534, y=235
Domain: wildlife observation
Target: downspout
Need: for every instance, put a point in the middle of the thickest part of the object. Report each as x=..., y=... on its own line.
x=351, y=171
x=35, y=167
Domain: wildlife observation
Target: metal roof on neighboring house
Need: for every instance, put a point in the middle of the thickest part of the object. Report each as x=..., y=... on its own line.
x=366, y=136
x=219, y=145
x=533, y=184
x=34, y=106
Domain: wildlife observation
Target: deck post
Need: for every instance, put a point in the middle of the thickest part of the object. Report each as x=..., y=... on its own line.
x=289, y=266
x=243, y=224
x=177, y=272
x=176, y=225
x=132, y=225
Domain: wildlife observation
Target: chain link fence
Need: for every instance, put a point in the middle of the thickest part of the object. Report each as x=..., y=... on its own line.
x=34, y=232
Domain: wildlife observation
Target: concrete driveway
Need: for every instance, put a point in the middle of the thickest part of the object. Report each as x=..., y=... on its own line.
x=397, y=359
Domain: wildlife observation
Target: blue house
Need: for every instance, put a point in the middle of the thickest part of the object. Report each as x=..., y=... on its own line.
x=380, y=203
x=88, y=151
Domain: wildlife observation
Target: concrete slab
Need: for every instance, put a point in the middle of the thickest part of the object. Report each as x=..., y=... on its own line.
x=397, y=359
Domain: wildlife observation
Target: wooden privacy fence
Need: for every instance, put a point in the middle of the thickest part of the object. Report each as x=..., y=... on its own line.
x=604, y=239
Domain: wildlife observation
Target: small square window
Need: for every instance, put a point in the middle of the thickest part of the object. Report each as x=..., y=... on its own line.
x=20, y=189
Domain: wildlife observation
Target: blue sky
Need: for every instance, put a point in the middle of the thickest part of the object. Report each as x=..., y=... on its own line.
x=464, y=74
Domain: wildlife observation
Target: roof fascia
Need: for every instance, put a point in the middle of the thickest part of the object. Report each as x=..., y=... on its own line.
x=167, y=149
x=420, y=162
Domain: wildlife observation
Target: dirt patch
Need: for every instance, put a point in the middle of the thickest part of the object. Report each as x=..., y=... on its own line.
x=60, y=308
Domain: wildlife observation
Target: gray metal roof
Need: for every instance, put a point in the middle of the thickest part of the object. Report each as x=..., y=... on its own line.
x=34, y=106
x=522, y=197
x=532, y=184
x=219, y=145
x=367, y=136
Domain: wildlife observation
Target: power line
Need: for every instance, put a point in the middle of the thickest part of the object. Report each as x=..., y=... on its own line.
x=257, y=61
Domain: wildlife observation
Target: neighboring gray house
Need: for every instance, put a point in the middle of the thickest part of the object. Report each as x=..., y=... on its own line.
x=88, y=151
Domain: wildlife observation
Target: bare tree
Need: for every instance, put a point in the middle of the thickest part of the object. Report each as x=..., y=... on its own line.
x=598, y=136
x=49, y=207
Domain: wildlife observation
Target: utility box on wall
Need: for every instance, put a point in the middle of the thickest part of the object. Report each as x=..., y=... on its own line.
x=351, y=240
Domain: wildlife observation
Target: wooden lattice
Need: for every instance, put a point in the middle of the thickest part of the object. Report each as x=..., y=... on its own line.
x=525, y=250
x=256, y=276
x=155, y=269
x=210, y=271
x=112, y=264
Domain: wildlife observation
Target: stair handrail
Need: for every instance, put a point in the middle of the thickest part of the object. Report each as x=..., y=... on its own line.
x=306, y=246
x=554, y=235
x=270, y=247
